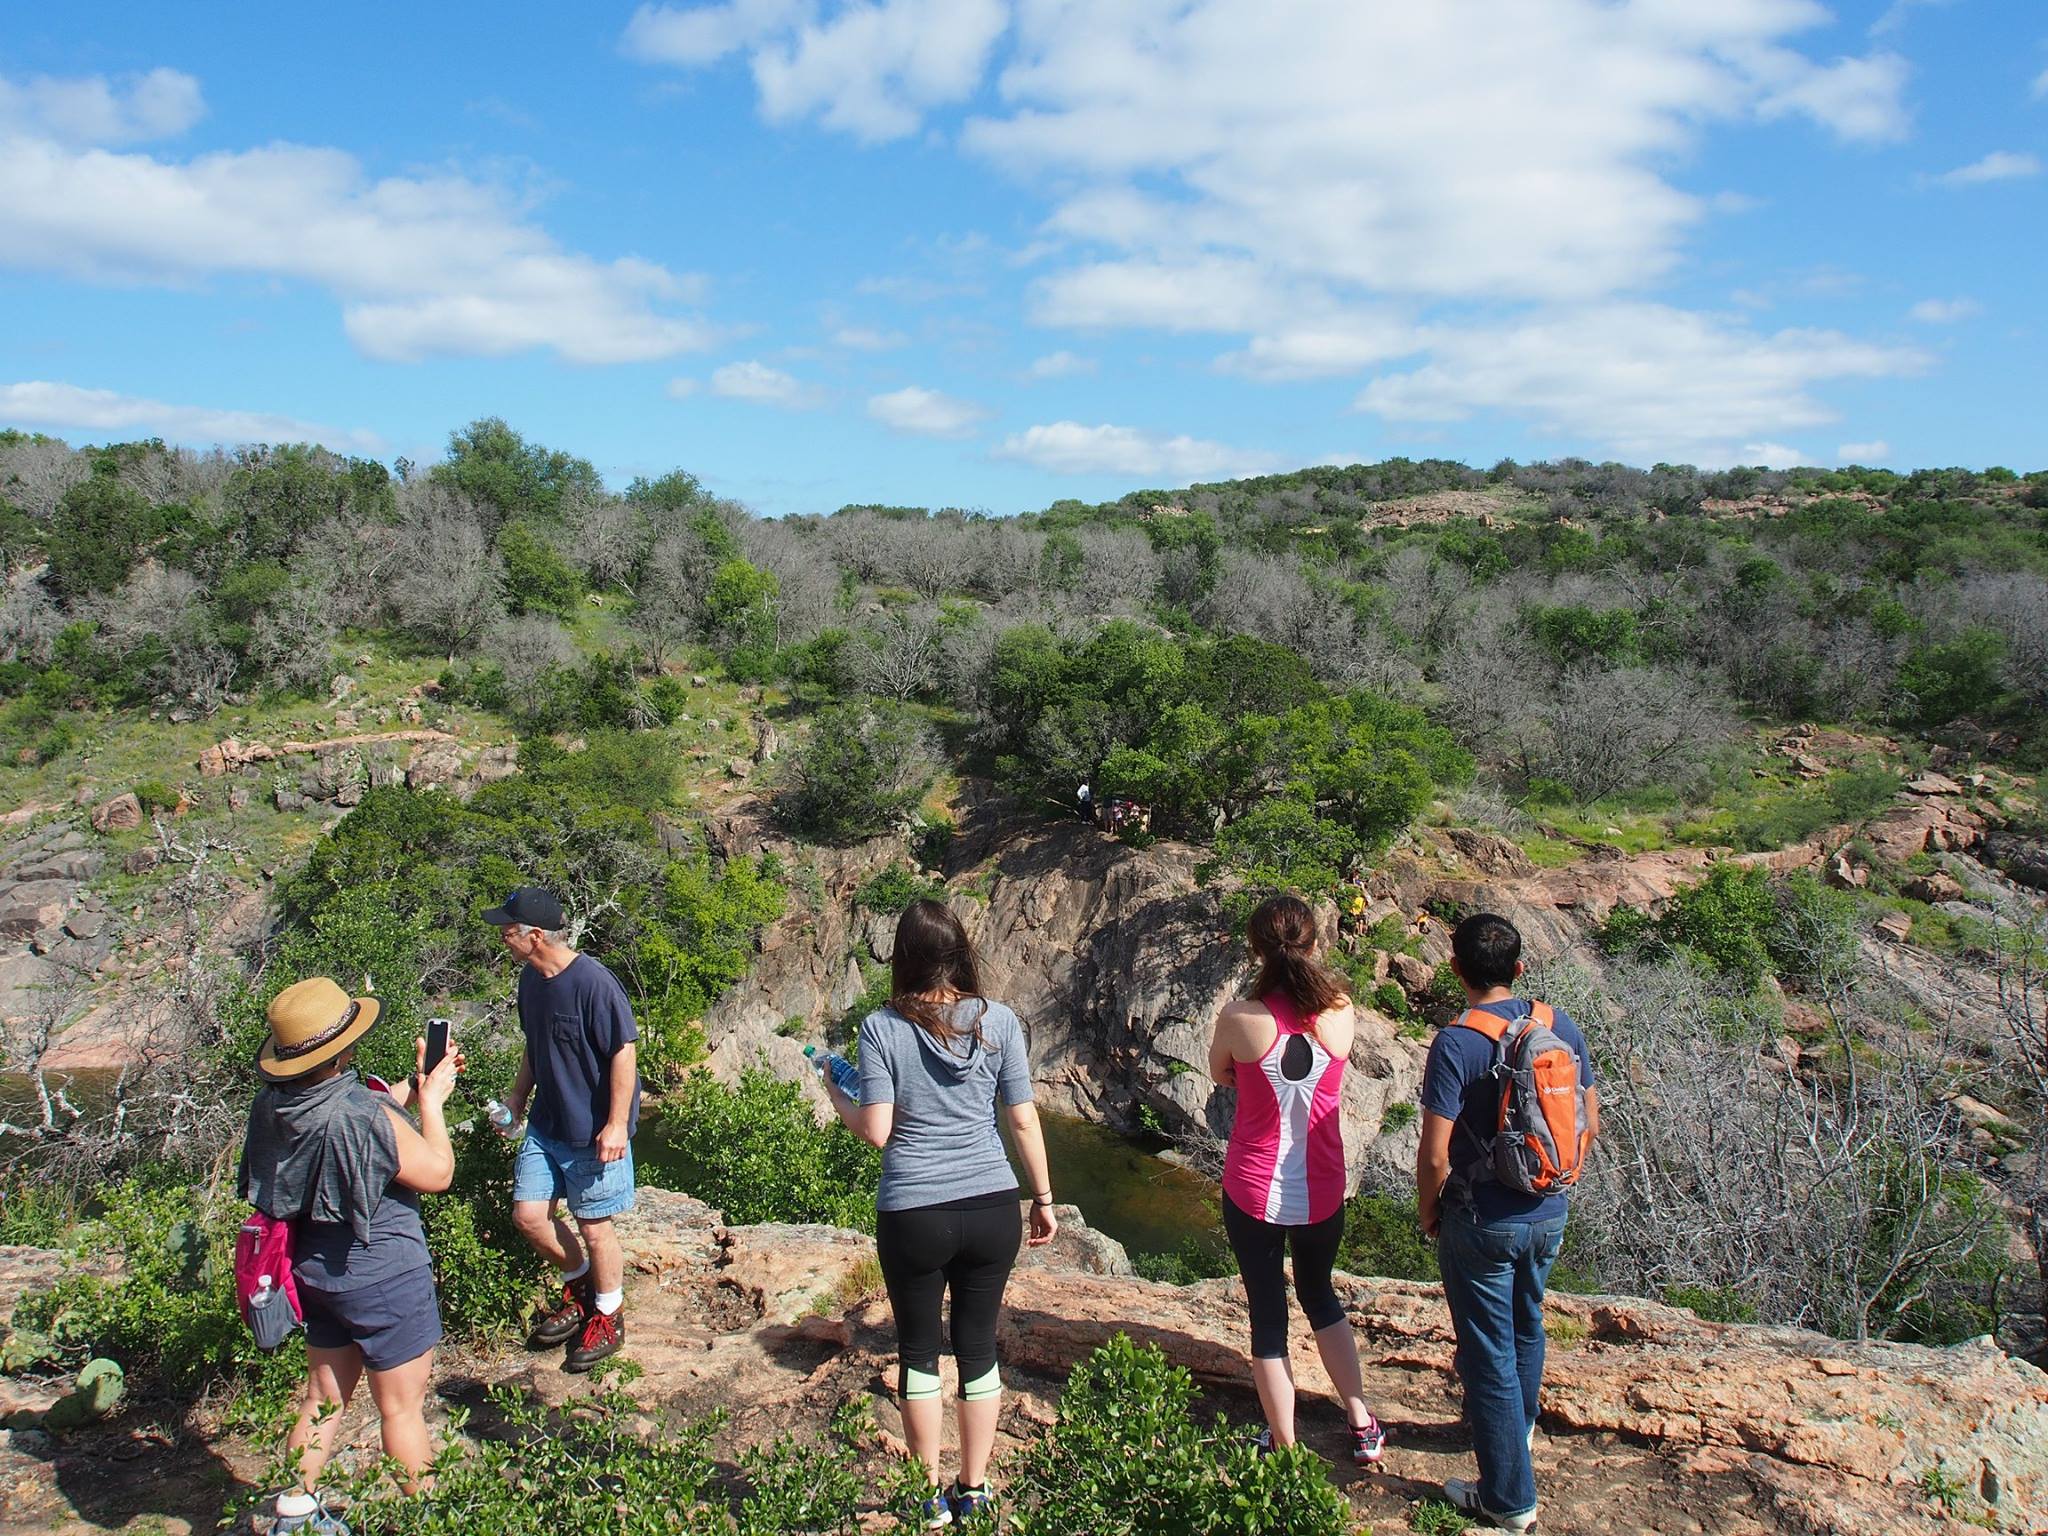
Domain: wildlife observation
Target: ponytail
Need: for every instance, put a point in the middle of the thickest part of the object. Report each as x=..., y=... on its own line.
x=1283, y=936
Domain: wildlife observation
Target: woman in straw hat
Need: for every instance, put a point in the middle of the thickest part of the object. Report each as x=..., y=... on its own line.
x=342, y=1162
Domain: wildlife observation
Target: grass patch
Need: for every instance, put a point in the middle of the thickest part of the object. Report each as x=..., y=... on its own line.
x=1564, y=1332
x=1434, y=1517
x=1549, y=852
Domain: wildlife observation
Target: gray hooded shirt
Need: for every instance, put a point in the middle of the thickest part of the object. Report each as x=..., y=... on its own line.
x=324, y=1157
x=944, y=1144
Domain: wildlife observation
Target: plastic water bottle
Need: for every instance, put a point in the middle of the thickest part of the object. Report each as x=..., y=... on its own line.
x=263, y=1291
x=845, y=1075
x=501, y=1116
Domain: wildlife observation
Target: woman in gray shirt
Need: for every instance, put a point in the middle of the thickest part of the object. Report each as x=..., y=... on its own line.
x=932, y=1065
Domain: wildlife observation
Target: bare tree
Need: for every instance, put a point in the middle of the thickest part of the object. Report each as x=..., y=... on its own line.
x=1430, y=595
x=608, y=537
x=353, y=564
x=896, y=654
x=671, y=595
x=1119, y=572
x=1600, y=730
x=526, y=650
x=35, y=474
x=447, y=579
x=292, y=640
x=29, y=621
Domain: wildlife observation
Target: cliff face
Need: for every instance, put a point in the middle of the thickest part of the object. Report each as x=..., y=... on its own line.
x=1117, y=959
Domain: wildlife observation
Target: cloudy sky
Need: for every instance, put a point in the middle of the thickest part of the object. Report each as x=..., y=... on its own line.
x=990, y=253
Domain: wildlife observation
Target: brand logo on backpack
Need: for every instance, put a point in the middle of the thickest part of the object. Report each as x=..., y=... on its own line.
x=1540, y=1132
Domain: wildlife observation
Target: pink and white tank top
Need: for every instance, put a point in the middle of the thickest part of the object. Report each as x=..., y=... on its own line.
x=1285, y=1163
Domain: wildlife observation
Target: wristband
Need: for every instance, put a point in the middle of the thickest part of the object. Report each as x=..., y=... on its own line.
x=1044, y=1199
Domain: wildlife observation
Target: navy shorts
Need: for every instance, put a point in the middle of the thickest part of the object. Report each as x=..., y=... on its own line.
x=392, y=1321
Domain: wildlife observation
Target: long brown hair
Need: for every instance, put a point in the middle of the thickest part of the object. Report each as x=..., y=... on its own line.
x=1283, y=935
x=932, y=953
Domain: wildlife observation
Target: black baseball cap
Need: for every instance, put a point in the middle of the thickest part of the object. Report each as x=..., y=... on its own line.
x=531, y=904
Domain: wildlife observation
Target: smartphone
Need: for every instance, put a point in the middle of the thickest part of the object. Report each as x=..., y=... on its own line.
x=437, y=1043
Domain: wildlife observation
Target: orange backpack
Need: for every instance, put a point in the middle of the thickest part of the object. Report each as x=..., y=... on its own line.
x=1540, y=1132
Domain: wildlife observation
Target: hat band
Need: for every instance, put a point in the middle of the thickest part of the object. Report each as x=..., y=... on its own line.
x=288, y=1052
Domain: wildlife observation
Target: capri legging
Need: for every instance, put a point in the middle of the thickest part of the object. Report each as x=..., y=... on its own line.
x=1261, y=1248
x=968, y=1246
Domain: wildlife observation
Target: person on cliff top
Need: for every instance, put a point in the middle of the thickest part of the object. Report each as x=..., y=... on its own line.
x=933, y=1063
x=1284, y=1181
x=579, y=1074
x=1495, y=1244
x=344, y=1165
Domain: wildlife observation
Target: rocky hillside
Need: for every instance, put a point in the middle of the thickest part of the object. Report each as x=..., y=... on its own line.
x=1654, y=1422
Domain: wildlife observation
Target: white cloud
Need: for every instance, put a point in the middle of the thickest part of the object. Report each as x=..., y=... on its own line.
x=41, y=404
x=1873, y=452
x=861, y=338
x=1772, y=455
x=681, y=388
x=1649, y=381
x=1069, y=448
x=1944, y=311
x=926, y=413
x=1999, y=165
x=704, y=34
x=762, y=385
x=92, y=109
x=873, y=70
x=2039, y=88
x=423, y=265
x=1059, y=365
x=1327, y=349
x=1895, y=15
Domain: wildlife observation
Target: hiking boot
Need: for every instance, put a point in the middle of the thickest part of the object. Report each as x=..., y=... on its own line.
x=321, y=1522
x=969, y=1502
x=1368, y=1442
x=936, y=1513
x=1464, y=1494
x=567, y=1319
x=603, y=1333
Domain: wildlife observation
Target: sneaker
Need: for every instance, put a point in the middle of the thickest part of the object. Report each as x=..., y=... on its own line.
x=1368, y=1442
x=567, y=1319
x=936, y=1511
x=1264, y=1444
x=969, y=1502
x=1464, y=1494
x=603, y=1333
x=321, y=1522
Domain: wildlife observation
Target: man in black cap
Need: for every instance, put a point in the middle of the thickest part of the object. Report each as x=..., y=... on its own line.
x=579, y=1074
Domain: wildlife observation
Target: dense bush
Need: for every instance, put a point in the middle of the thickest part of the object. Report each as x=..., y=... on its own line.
x=1740, y=921
x=1127, y=1453
x=758, y=1153
x=863, y=771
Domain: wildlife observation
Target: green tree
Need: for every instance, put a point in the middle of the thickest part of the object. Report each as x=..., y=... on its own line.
x=864, y=769
x=494, y=465
x=536, y=578
x=739, y=618
x=98, y=532
x=758, y=1153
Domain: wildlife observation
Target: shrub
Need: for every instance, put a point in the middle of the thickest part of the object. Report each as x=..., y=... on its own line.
x=1193, y=1260
x=1380, y=1238
x=758, y=1153
x=1127, y=1453
x=865, y=768
x=896, y=888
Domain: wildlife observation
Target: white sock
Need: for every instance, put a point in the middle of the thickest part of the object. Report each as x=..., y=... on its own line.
x=578, y=1272
x=289, y=1504
x=609, y=1302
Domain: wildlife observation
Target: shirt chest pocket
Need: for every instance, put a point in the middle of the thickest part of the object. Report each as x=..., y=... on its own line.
x=566, y=1032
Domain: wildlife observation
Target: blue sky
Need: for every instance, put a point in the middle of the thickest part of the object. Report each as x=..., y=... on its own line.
x=990, y=253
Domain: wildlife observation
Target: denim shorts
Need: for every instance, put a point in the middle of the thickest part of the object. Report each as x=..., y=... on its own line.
x=391, y=1321
x=547, y=1169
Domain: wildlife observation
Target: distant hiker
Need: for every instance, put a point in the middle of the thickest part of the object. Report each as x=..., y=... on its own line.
x=579, y=1075
x=1509, y=1113
x=1086, y=797
x=1283, y=1050
x=341, y=1162
x=933, y=1063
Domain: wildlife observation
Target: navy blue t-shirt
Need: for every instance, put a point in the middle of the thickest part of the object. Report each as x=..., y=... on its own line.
x=1456, y=1085
x=575, y=1023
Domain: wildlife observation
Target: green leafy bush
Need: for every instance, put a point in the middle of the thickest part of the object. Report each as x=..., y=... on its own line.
x=1381, y=1238
x=896, y=888
x=758, y=1153
x=1128, y=1454
x=1193, y=1260
x=155, y=795
x=864, y=769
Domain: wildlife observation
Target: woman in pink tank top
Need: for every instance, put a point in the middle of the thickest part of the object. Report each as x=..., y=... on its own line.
x=1284, y=1182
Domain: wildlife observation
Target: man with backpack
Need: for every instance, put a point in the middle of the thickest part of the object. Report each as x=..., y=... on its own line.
x=1509, y=1114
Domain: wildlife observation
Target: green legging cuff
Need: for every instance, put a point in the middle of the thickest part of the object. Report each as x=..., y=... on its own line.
x=988, y=1384
x=919, y=1384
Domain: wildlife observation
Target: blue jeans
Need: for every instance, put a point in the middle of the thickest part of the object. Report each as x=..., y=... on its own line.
x=1493, y=1280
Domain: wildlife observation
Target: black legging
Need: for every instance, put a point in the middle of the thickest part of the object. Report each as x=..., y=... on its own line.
x=1261, y=1249
x=925, y=1251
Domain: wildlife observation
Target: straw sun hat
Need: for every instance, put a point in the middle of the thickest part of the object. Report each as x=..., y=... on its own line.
x=312, y=1022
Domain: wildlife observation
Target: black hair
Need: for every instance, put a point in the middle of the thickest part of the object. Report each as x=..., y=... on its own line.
x=1487, y=949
